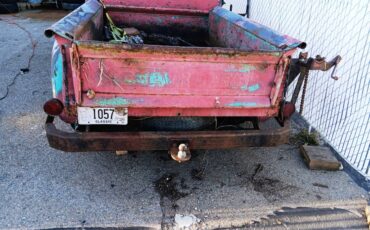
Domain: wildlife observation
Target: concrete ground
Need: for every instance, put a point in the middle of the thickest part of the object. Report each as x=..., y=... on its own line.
x=240, y=188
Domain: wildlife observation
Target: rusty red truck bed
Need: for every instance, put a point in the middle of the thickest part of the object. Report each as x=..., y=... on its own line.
x=225, y=69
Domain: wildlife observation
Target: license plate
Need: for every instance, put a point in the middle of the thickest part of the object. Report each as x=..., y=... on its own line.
x=102, y=116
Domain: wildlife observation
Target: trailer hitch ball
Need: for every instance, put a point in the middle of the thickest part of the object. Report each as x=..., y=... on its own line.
x=180, y=153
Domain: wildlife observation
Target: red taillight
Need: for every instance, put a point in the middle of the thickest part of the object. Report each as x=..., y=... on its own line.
x=53, y=107
x=289, y=109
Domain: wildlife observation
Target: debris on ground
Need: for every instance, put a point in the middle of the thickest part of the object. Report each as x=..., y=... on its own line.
x=320, y=158
x=320, y=185
x=24, y=70
x=185, y=221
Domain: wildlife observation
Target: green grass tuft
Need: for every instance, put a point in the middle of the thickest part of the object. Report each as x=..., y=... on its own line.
x=305, y=138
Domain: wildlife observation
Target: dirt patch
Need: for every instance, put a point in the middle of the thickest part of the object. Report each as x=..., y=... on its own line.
x=266, y=185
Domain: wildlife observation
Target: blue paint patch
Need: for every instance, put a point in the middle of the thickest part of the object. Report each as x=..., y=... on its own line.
x=242, y=104
x=261, y=44
x=247, y=68
x=254, y=88
x=118, y=101
x=252, y=37
x=114, y=101
x=154, y=79
x=244, y=69
x=158, y=79
x=57, y=68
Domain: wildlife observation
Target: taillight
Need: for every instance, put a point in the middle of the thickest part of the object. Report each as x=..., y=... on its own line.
x=289, y=109
x=53, y=107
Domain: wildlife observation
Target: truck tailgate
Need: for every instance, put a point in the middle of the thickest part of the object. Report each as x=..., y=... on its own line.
x=157, y=80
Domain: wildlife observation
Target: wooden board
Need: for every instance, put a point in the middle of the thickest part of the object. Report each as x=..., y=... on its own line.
x=319, y=158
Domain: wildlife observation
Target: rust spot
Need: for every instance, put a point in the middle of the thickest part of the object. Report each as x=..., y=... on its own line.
x=263, y=66
x=130, y=61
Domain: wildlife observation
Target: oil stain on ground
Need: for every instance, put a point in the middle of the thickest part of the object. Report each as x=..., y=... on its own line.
x=166, y=186
x=272, y=189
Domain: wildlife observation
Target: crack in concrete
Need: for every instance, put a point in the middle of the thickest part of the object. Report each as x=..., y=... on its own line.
x=22, y=70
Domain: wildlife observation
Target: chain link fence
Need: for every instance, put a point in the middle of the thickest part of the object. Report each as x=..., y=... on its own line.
x=339, y=110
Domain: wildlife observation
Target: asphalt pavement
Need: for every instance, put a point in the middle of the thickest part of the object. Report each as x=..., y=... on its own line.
x=239, y=188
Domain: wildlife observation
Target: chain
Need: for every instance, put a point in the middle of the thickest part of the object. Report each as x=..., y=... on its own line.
x=305, y=72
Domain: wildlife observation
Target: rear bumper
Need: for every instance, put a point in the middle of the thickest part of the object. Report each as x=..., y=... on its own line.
x=138, y=141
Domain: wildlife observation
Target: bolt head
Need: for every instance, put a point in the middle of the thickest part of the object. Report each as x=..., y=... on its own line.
x=90, y=94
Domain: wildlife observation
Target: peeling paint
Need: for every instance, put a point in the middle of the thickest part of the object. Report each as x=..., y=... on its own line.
x=242, y=104
x=118, y=101
x=154, y=79
x=263, y=66
x=252, y=88
x=114, y=101
x=244, y=69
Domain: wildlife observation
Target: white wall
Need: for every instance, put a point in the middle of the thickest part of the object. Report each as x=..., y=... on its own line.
x=339, y=110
